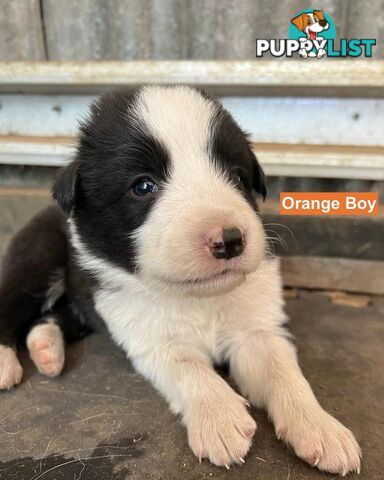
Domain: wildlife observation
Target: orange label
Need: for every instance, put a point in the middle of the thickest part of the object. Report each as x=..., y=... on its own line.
x=329, y=203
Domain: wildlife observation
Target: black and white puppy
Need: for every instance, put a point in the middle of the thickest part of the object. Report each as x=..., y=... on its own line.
x=161, y=240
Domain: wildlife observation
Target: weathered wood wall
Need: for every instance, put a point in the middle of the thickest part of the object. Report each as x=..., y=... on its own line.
x=165, y=29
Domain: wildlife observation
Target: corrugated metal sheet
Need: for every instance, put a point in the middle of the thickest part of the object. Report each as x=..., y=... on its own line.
x=366, y=19
x=165, y=29
x=21, y=31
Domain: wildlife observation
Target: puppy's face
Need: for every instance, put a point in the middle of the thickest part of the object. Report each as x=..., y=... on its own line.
x=163, y=187
x=311, y=23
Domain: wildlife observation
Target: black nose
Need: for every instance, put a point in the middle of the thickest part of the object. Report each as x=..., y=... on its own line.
x=231, y=246
x=323, y=23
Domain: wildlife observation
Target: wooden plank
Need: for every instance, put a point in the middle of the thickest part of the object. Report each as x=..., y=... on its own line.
x=16, y=209
x=328, y=273
x=24, y=192
x=21, y=31
x=350, y=300
x=347, y=237
x=341, y=78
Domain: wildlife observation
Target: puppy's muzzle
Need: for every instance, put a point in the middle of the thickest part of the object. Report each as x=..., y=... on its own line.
x=225, y=243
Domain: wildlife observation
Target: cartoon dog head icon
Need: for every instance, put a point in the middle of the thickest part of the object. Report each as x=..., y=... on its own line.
x=311, y=23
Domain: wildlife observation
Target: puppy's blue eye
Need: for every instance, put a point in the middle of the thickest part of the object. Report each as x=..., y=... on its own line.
x=144, y=186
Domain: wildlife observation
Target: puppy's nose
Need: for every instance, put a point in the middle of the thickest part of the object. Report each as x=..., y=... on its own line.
x=323, y=23
x=226, y=243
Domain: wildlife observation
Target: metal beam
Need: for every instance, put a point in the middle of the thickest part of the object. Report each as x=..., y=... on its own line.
x=329, y=77
x=294, y=120
x=365, y=163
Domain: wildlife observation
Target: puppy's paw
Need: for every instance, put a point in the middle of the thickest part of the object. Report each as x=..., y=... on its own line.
x=46, y=347
x=11, y=371
x=323, y=442
x=303, y=53
x=321, y=53
x=221, y=430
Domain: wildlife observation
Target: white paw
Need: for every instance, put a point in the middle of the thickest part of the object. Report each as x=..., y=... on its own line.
x=323, y=442
x=221, y=429
x=303, y=53
x=321, y=53
x=46, y=347
x=10, y=368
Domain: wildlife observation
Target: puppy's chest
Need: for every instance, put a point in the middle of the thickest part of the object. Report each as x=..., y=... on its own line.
x=138, y=322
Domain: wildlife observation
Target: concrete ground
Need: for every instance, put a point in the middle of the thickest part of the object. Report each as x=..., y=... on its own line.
x=101, y=421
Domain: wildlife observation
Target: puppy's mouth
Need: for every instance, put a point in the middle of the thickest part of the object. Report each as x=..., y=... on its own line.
x=225, y=276
x=312, y=34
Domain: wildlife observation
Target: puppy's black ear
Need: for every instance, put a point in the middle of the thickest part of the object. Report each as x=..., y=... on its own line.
x=65, y=188
x=259, y=183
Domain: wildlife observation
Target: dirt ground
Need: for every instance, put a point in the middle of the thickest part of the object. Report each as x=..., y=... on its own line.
x=101, y=421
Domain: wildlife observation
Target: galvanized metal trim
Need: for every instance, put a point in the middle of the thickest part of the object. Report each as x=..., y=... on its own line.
x=294, y=120
x=280, y=160
x=365, y=76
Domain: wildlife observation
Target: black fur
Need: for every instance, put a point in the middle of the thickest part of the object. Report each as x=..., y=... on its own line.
x=232, y=151
x=112, y=154
x=38, y=254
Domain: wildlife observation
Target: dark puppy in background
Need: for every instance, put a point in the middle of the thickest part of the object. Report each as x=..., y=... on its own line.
x=159, y=237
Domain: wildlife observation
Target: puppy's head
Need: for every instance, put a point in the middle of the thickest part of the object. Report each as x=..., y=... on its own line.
x=311, y=23
x=163, y=186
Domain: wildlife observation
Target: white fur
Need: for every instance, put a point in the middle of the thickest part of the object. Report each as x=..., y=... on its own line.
x=315, y=26
x=46, y=347
x=11, y=371
x=197, y=198
x=55, y=290
x=173, y=331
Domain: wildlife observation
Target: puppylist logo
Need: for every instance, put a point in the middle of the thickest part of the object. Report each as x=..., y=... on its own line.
x=312, y=33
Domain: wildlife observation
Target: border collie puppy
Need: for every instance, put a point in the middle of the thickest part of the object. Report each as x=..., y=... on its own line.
x=159, y=238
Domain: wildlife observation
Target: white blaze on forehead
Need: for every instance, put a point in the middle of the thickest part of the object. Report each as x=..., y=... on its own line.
x=180, y=118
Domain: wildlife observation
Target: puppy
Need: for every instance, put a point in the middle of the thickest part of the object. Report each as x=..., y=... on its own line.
x=311, y=24
x=159, y=238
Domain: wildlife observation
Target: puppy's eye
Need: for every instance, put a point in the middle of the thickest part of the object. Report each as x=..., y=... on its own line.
x=309, y=22
x=236, y=179
x=144, y=186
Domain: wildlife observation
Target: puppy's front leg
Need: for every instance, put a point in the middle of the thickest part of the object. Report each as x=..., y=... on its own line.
x=266, y=369
x=219, y=426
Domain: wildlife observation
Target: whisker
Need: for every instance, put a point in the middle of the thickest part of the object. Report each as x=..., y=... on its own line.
x=280, y=225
